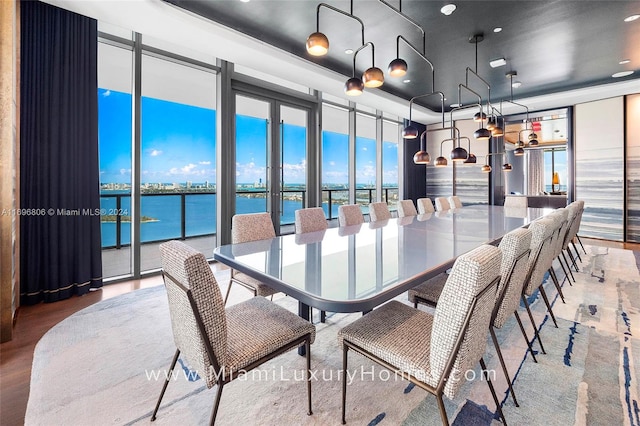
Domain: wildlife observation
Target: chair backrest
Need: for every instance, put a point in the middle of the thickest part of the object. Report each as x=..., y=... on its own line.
x=515, y=201
x=442, y=204
x=188, y=275
x=515, y=247
x=406, y=208
x=469, y=290
x=350, y=214
x=575, y=227
x=425, y=205
x=251, y=227
x=572, y=218
x=561, y=216
x=310, y=220
x=541, y=254
x=379, y=211
x=454, y=202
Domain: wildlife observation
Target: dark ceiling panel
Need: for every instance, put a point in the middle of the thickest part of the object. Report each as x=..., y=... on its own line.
x=553, y=45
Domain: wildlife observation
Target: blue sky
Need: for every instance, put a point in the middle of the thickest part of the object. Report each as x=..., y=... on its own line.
x=178, y=145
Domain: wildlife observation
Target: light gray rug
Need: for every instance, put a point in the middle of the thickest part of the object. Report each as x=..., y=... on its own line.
x=98, y=367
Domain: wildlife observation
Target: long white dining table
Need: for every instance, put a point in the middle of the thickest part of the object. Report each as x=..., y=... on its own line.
x=355, y=269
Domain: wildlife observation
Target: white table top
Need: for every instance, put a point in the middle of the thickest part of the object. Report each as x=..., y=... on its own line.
x=355, y=269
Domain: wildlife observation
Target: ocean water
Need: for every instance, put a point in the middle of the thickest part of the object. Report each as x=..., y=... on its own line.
x=200, y=210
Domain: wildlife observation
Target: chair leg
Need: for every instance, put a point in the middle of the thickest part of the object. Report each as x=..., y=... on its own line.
x=573, y=260
x=580, y=241
x=344, y=382
x=226, y=296
x=568, y=266
x=526, y=338
x=566, y=274
x=536, y=335
x=546, y=302
x=504, y=367
x=216, y=404
x=443, y=412
x=493, y=391
x=576, y=250
x=166, y=382
x=307, y=345
x=323, y=316
x=552, y=273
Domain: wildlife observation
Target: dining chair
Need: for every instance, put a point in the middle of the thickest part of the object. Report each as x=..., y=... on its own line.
x=425, y=205
x=433, y=351
x=379, y=211
x=222, y=344
x=455, y=202
x=575, y=227
x=442, y=204
x=310, y=220
x=246, y=228
x=515, y=248
x=406, y=208
x=539, y=262
x=350, y=214
x=515, y=201
x=574, y=211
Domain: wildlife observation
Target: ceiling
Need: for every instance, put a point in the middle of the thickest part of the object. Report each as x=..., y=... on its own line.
x=553, y=45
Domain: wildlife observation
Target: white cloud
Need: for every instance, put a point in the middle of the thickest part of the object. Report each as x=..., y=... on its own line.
x=155, y=152
x=332, y=163
x=364, y=148
x=125, y=171
x=106, y=93
x=188, y=168
x=204, y=163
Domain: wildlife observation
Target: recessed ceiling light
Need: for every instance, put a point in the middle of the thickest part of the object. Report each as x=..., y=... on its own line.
x=495, y=63
x=516, y=84
x=448, y=9
x=621, y=74
x=348, y=51
x=629, y=18
x=406, y=81
x=624, y=61
x=497, y=29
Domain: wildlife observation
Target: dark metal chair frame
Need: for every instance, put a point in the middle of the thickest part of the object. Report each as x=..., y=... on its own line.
x=224, y=378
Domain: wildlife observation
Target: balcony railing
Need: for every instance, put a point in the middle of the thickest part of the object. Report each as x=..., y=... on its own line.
x=175, y=212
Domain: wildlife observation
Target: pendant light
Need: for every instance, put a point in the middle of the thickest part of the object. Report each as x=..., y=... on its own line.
x=410, y=131
x=471, y=158
x=318, y=43
x=422, y=156
x=372, y=77
x=506, y=167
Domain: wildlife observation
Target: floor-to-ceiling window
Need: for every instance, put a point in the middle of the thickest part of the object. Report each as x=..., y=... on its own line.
x=390, y=138
x=365, y=159
x=175, y=149
x=335, y=158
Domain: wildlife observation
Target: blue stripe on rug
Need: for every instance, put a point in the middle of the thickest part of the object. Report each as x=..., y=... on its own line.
x=409, y=388
x=472, y=414
x=627, y=384
x=190, y=375
x=377, y=420
x=569, y=349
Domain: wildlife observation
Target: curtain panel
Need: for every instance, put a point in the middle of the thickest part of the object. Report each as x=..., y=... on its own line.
x=60, y=247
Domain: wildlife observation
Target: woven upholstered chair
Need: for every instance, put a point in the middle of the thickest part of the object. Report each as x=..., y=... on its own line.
x=454, y=202
x=221, y=344
x=310, y=220
x=433, y=351
x=379, y=211
x=559, y=216
x=442, y=204
x=515, y=247
x=515, y=201
x=406, y=208
x=425, y=206
x=540, y=259
x=573, y=210
x=349, y=215
x=574, y=231
x=246, y=228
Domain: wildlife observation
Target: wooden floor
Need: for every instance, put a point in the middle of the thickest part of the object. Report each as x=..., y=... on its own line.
x=33, y=322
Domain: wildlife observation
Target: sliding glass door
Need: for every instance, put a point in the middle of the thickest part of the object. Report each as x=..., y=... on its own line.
x=271, y=158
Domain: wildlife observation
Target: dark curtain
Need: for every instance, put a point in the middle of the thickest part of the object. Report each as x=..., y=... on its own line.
x=60, y=246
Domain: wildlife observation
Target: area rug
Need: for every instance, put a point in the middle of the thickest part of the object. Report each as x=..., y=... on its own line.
x=106, y=364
